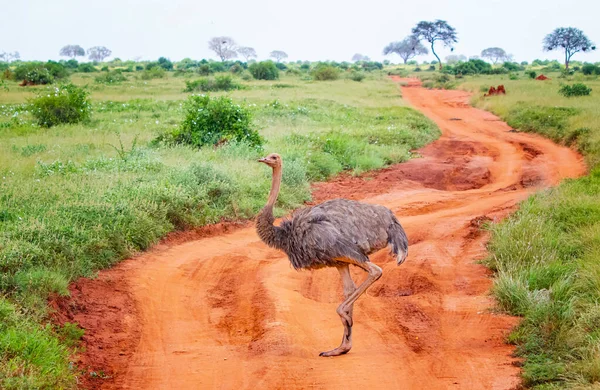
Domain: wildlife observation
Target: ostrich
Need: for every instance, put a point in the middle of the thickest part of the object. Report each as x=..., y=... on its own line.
x=336, y=233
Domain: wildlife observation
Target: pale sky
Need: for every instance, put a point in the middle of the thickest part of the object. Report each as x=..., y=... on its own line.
x=305, y=29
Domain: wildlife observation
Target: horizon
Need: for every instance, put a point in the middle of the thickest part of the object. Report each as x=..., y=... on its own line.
x=334, y=33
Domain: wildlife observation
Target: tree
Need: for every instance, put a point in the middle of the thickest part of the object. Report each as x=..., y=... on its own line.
x=247, y=52
x=98, y=53
x=224, y=47
x=495, y=54
x=72, y=51
x=408, y=48
x=571, y=40
x=278, y=55
x=359, y=57
x=438, y=30
x=454, y=58
x=8, y=57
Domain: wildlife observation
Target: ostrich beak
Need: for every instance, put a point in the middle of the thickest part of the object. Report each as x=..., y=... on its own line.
x=262, y=160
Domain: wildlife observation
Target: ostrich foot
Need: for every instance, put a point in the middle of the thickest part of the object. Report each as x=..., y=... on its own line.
x=341, y=350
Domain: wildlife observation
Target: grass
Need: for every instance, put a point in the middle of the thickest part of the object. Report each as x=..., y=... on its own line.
x=546, y=255
x=78, y=198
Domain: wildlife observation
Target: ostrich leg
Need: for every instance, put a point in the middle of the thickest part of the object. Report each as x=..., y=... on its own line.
x=345, y=309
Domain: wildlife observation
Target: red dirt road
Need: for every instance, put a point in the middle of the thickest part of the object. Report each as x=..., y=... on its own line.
x=227, y=312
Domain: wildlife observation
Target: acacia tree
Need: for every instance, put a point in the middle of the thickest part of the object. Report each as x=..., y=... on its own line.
x=224, y=47
x=278, y=55
x=247, y=52
x=98, y=53
x=408, y=48
x=72, y=51
x=359, y=57
x=8, y=57
x=570, y=39
x=495, y=54
x=438, y=30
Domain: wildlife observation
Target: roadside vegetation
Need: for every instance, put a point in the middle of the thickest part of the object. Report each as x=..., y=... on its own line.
x=546, y=255
x=100, y=168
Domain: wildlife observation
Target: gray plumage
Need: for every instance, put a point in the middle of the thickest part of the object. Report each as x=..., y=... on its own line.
x=315, y=237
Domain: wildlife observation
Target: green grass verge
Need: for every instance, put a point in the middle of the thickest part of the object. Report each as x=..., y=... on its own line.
x=546, y=256
x=75, y=199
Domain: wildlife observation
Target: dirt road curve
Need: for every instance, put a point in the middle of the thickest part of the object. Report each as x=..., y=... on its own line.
x=226, y=312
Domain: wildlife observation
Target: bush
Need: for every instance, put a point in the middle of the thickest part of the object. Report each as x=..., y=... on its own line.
x=532, y=74
x=325, y=72
x=165, y=63
x=280, y=66
x=216, y=67
x=204, y=70
x=213, y=121
x=512, y=67
x=577, y=89
x=112, y=77
x=264, y=70
x=590, y=69
x=86, y=68
x=153, y=73
x=219, y=83
x=236, y=69
x=65, y=104
x=35, y=73
x=357, y=76
x=472, y=67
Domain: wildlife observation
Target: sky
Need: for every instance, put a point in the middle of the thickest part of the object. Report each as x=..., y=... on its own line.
x=306, y=30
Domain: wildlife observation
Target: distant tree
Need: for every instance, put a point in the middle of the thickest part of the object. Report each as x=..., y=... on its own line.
x=359, y=57
x=408, y=48
x=72, y=51
x=438, y=30
x=247, y=52
x=98, y=53
x=494, y=54
x=571, y=40
x=455, y=58
x=474, y=58
x=278, y=55
x=9, y=57
x=224, y=47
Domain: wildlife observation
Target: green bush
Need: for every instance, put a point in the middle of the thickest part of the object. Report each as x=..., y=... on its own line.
x=34, y=74
x=577, y=89
x=153, y=73
x=165, y=63
x=590, y=69
x=357, y=76
x=112, y=77
x=236, y=69
x=65, y=104
x=326, y=72
x=86, y=68
x=219, y=83
x=264, y=70
x=532, y=74
x=213, y=121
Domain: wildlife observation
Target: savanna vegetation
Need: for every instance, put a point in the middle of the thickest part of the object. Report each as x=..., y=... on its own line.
x=101, y=164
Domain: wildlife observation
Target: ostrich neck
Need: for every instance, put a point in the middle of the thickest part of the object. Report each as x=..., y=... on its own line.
x=264, y=224
x=275, y=185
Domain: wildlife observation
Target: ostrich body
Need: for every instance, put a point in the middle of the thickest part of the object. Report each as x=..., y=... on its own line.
x=335, y=233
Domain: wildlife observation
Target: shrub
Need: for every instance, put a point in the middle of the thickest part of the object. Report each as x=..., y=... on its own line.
x=590, y=69
x=357, y=76
x=246, y=76
x=417, y=69
x=139, y=68
x=280, y=66
x=213, y=121
x=532, y=74
x=112, y=77
x=153, y=73
x=216, y=67
x=512, y=67
x=204, y=70
x=577, y=89
x=293, y=71
x=35, y=76
x=325, y=72
x=219, y=83
x=264, y=70
x=513, y=76
x=86, y=68
x=431, y=68
x=472, y=67
x=65, y=104
x=165, y=63
x=236, y=69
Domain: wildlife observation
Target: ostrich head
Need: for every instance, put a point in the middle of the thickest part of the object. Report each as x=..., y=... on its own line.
x=273, y=160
